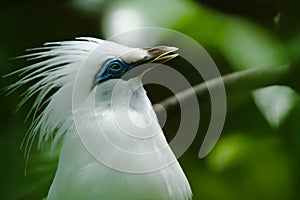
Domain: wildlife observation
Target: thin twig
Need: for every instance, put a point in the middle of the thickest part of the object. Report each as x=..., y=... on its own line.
x=246, y=80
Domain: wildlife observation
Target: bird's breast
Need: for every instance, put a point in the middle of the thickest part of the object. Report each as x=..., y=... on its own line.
x=108, y=139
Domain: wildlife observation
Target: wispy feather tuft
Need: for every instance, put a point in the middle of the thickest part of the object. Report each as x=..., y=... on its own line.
x=58, y=63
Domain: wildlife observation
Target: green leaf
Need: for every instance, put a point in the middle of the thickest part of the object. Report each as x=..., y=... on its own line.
x=275, y=103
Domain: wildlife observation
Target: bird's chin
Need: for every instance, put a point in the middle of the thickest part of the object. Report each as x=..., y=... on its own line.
x=139, y=71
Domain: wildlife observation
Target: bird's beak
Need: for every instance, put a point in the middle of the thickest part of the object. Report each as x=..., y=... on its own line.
x=162, y=54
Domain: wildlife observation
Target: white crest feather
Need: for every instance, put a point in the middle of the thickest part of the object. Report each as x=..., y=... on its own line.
x=56, y=69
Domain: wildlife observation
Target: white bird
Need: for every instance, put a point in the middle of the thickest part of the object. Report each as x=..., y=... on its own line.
x=113, y=147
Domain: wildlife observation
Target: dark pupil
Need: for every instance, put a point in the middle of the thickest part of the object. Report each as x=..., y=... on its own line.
x=115, y=66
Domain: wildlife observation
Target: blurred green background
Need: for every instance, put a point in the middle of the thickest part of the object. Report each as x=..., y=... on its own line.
x=257, y=156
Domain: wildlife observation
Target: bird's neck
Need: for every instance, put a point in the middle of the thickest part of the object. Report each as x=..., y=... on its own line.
x=123, y=94
x=120, y=113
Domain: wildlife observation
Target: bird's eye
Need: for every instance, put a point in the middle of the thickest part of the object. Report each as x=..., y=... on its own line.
x=115, y=67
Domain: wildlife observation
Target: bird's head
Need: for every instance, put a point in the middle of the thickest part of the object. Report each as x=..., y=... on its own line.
x=89, y=62
x=123, y=59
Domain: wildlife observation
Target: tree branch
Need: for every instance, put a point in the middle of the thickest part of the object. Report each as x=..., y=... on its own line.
x=236, y=82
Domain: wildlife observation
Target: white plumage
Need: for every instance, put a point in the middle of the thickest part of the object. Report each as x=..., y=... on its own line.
x=89, y=168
